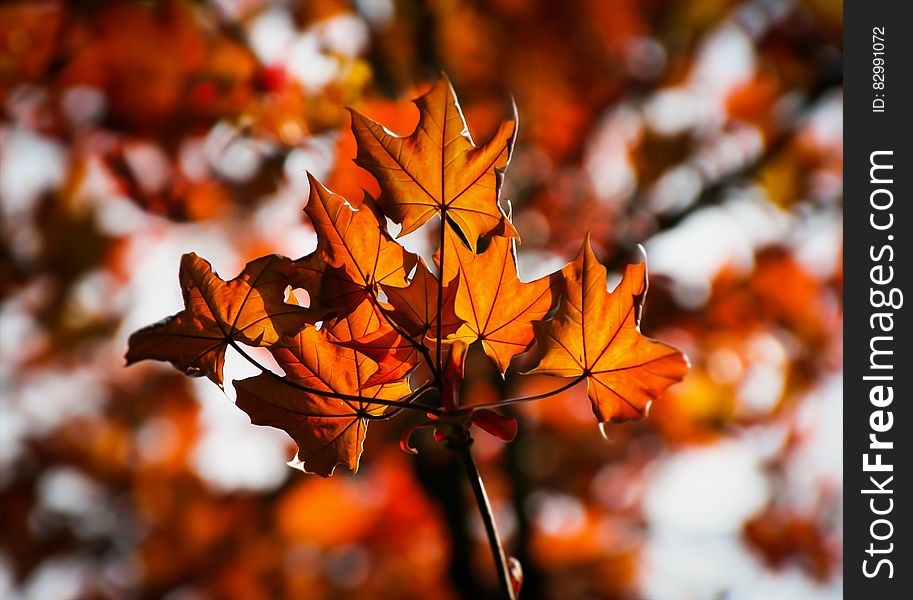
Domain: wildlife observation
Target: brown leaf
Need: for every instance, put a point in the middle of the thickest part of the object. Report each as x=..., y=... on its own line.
x=415, y=307
x=354, y=255
x=250, y=309
x=328, y=431
x=367, y=331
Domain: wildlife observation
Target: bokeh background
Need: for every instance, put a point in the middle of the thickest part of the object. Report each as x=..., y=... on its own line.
x=708, y=130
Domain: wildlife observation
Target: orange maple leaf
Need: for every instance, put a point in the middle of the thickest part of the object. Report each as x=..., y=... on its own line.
x=495, y=306
x=354, y=255
x=328, y=431
x=438, y=169
x=367, y=330
x=595, y=334
x=415, y=306
x=250, y=308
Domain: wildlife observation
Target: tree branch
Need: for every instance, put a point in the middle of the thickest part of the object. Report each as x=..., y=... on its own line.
x=462, y=448
x=510, y=401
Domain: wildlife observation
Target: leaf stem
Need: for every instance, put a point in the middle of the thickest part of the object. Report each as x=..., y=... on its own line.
x=440, y=298
x=463, y=448
x=404, y=403
x=417, y=345
x=411, y=398
x=510, y=401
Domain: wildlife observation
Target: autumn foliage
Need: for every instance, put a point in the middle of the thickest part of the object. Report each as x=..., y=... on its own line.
x=382, y=334
x=135, y=133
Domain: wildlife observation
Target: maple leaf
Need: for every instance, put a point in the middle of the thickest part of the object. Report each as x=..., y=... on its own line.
x=328, y=431
x=250, y=308
x=495, y=306
x=354, y=255
x=596, y=334
x=438, y=169
x=396, y=356
x=415, y=306
x=367, y=331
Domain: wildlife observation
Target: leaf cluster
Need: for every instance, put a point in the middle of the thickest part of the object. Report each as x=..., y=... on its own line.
x=383, y=333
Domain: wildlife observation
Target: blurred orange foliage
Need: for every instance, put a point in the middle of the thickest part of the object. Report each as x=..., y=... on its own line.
x=133, y=132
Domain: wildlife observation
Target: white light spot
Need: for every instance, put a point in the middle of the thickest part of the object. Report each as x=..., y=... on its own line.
x=676, y=189
x=706, y=490
x=270, y=34
x=308, y=64
x=232, y=454
x=30, y=164
x=379, y=13
x=344, y=34
x=557, y=514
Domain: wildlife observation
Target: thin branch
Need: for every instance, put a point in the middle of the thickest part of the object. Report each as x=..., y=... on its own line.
x=404, y=403
x=494, y=538
x=412, y=397
x=510, y=401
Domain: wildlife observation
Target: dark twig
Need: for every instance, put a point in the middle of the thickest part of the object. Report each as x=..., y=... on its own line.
x=462, y=448
x=548, y=394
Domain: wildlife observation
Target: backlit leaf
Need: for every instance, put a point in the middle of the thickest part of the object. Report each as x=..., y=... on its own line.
x=367, y=330
x=496, y=307
x=596, y=334
x=328, y=431
x=415, y=306
x=354, y=255
x=438, y=169
x=250, y=309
